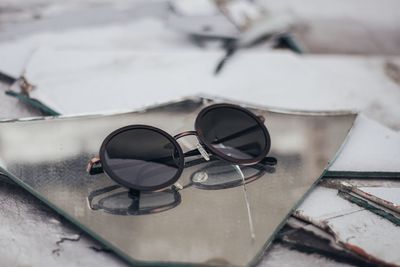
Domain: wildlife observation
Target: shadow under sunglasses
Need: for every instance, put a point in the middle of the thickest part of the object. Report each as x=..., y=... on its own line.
x=218, y=175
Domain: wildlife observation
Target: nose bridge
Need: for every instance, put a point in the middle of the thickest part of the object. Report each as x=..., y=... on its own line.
x=186, y=133
x=200, y=149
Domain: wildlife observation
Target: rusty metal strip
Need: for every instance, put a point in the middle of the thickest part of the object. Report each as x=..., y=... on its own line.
x=382, y=202
x=377, y=200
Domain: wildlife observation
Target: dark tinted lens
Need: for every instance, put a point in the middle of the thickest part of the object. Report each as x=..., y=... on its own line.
x=141, y=159
x=233, y=132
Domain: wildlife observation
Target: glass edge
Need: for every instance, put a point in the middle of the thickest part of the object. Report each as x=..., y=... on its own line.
x=106, y=113
x=194, y=98
x=258, y=258
x=280, y=110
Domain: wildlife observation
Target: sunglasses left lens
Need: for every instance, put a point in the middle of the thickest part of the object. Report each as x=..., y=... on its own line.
x=141, y=158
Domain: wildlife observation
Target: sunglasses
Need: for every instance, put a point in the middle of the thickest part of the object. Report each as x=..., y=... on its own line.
x=145, y=158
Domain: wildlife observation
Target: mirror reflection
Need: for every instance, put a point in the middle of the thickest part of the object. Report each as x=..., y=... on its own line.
x=216, y=175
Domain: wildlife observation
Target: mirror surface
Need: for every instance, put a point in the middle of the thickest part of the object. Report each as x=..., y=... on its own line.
x=213, y=220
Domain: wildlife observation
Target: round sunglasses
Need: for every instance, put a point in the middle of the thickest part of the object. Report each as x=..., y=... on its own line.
x=146, y=158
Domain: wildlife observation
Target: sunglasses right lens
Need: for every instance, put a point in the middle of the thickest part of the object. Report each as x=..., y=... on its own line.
x=141, y=158
x=235, y=133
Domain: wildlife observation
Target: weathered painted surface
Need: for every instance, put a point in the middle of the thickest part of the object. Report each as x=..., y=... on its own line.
x=359, y=230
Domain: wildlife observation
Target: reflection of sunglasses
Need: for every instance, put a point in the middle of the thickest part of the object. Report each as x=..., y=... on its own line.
x=214, y=176
x=145, y=158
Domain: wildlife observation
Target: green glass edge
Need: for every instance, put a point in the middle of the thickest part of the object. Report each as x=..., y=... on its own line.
x=361, y=175
x=43, y=108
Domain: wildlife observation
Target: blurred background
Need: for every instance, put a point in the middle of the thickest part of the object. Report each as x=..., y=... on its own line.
x=95, y=57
